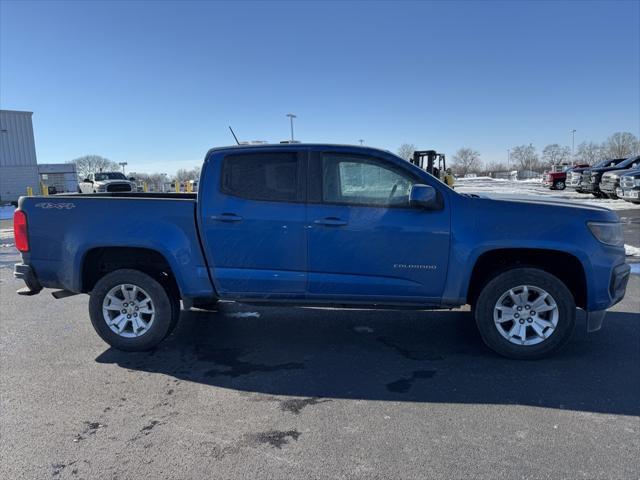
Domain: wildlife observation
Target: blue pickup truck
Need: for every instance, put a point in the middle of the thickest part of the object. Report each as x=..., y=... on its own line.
x=317, y=224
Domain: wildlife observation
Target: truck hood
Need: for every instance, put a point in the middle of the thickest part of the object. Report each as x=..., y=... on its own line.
x=530, y=200
x=110, y=182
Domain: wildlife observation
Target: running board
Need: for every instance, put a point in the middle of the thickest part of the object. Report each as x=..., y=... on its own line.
x=62, y=294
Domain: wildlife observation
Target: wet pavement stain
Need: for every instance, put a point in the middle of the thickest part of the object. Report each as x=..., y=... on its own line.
x=404, y=384
x=274, y=438
x=90, y=429
x=295, y=405
x=147, y=429
x=230, y=358
x=419, y=355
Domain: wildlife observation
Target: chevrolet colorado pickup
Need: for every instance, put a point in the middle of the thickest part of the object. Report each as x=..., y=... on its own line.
x=316, y=224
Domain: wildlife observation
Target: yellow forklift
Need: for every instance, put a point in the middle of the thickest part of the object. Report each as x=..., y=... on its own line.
x=434, y=163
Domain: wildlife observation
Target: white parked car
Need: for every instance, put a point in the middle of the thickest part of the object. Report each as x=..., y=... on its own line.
x=106, y=182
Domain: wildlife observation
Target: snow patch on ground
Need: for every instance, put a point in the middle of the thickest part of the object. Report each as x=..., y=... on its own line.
x=631, y=251
x=497, y=187
x=6, y=212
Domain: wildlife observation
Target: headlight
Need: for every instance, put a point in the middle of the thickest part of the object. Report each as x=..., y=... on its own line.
x=102, y=188
x=608, y=233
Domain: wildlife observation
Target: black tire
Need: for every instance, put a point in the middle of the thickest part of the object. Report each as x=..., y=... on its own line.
x=489, y=296
x=559, y=185
x=167, y=310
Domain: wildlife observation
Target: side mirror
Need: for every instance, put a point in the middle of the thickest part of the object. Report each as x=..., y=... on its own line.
x=423, y=196
x=86, y=180
x=132, y=179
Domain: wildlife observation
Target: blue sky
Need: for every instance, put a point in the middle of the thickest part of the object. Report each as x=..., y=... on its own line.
x=155, y=84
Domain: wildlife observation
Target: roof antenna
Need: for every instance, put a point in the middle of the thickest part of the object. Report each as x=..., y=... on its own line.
x=234, y=135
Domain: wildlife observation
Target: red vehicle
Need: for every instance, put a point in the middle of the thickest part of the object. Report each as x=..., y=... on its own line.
x=556, y=178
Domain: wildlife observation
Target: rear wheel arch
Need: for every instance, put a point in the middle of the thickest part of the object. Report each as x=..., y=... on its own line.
x=565, y=266
x=99, y=261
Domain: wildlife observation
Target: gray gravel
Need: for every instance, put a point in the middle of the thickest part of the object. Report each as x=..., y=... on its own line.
x=311, y=393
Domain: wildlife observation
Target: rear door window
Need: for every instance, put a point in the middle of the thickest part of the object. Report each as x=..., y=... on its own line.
x=275, y=177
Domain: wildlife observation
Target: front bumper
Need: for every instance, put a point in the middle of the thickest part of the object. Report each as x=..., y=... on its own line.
x=26, y=273
x=617, y=289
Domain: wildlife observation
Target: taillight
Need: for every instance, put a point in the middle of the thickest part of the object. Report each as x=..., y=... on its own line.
x=20, y=231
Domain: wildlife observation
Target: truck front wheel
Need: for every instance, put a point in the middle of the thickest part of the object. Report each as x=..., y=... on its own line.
x=525, y=314
x=132, y=311
x=559, y=185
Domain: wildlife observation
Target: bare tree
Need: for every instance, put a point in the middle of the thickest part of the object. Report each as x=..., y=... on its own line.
x=93, y=164
x=622, y=145
x=555, y=154
x=493, y=167
x=466, y=160
x=406, y=150
x=589, y=152
x=184, y=174
x=525, y=157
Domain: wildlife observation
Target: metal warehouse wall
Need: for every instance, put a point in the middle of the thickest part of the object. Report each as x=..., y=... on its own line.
x=18, y=164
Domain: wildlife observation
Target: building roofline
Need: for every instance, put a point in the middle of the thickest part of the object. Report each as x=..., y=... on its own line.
x=16, y=111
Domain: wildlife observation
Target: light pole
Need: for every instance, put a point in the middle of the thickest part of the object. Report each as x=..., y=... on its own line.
x=291, y=117
x=122, y=164
x=508, y=158
x=361, y=141
x=573, y=142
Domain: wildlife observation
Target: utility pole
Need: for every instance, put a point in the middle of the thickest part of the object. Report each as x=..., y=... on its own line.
x=291, y=117
x=508, y=158
x=573, y=142
x=123, y=164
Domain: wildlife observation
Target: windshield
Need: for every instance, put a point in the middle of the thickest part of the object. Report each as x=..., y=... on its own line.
x=110, y=176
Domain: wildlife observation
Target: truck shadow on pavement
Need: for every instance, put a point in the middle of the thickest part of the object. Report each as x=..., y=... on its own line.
x=393, y=356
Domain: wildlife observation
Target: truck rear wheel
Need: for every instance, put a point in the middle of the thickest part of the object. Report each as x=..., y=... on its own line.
x=132, y=311
x=525, y=314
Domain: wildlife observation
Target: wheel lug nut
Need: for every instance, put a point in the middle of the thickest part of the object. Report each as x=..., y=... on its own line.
x=519, y=308
x=532, y=312
x=135, y=315
x=128, y=316
x=136, y=308
x=521, y=320
x=124, y=311
x=517, y=315
x=529, y=320
x=527, y=307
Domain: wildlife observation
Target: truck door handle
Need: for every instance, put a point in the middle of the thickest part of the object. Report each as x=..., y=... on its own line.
x=330, y=222
x=226, y=217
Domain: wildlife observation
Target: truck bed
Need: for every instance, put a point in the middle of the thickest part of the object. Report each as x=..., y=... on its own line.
x=65, y=229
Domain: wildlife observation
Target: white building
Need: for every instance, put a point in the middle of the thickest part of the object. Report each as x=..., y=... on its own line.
x=19, y=168
x=18, y=165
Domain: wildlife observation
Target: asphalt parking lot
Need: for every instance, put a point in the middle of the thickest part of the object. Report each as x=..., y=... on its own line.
x=253, y=392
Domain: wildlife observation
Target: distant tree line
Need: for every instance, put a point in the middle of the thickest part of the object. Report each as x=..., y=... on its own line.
x=89, y=164
x=525, y=157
